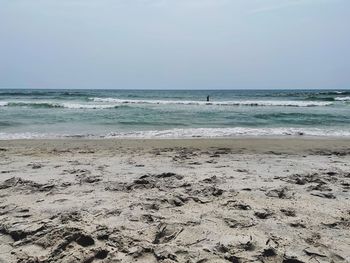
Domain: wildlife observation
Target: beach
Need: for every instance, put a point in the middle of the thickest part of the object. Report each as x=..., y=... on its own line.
x=159, y=131
x=272, y=199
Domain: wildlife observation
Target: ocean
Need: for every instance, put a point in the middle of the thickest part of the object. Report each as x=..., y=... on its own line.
x=26, y=114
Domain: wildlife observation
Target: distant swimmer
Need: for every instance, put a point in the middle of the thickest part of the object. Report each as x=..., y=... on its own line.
x=208, y=98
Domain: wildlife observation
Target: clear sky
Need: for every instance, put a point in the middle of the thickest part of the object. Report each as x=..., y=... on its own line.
x=175, y=44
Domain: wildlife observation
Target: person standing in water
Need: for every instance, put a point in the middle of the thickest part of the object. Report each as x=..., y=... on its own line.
x=208, y=98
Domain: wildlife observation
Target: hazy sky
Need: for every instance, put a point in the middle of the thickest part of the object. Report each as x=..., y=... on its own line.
x=178, y=44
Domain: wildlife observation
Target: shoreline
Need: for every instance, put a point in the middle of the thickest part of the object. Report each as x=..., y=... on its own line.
x=251, y=144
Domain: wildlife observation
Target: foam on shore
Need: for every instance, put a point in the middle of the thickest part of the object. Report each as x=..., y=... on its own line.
x=189, y=133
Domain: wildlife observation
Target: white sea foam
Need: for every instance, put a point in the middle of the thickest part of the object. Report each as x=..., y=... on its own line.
x=230, y=132
x=222, y=103
x=108, y=103
x=27, y=135
x=87, y=106
x=342, y=98
x=50, y=104
x=190, y=133
x=29, y=103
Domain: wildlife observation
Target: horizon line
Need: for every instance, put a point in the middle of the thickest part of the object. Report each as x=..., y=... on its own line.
x=171, y=89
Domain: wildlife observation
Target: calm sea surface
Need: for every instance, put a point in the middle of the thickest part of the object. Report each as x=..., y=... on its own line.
x=173, y=114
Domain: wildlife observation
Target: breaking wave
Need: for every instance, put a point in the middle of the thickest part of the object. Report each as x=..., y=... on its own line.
x=87, y=106
x=110, y=103
x=220, y=103
x=49, y=105
x=342, y=98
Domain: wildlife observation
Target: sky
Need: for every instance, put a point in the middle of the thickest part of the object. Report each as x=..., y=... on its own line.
x=175, y=44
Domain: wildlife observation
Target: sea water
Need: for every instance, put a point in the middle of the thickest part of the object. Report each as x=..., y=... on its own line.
x=173, y=113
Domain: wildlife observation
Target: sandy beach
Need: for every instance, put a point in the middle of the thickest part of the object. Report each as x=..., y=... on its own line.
x=194, y=200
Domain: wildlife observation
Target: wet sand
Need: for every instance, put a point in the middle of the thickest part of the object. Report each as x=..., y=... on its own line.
x=193, y=200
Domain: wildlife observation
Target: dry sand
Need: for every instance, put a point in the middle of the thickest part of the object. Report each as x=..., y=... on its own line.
x=198, y=200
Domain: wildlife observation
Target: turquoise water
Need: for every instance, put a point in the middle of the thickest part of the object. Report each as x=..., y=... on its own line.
x=147, y=113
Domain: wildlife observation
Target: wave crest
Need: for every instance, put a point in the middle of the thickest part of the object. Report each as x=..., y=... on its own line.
x=34, y=104
x=87, y=106
x=55, y=105
x=342, y=98
x=218, y=103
